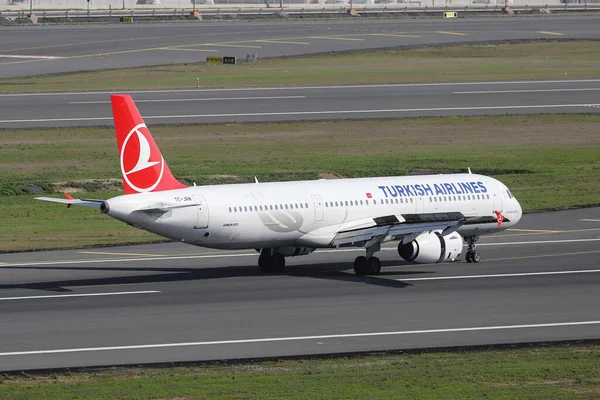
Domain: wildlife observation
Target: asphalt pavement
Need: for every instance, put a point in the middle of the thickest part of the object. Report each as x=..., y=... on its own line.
x=307, y=103
x=33, y=50
x=172, y=302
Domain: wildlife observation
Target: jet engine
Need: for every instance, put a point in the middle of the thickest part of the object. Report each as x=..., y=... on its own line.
x=432, y=247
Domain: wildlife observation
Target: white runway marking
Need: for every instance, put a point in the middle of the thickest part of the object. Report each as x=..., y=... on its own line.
x=376, y=86
x=201, y=256
x=205, y=99
x=539, y=242
x=29, y=57
x=441, y=278
x=316, y=112
x=77, y=295
x=299, y=338
x=529, y=91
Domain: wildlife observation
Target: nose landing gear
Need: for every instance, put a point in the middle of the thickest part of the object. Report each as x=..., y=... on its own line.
x=471, y=256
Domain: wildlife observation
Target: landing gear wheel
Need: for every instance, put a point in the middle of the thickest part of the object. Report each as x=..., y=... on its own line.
x=367, y=266
x=270, y=263
x=278, y=262
x=360, y=265
x=264, y=263
x=373, y=266
x=472, y=257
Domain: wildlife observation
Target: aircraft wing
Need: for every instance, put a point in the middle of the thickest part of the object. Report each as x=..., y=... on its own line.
x=399, y=226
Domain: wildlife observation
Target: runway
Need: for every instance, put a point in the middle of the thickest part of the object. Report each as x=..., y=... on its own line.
x=32, y=50
x=307, y=103
x=171, y=302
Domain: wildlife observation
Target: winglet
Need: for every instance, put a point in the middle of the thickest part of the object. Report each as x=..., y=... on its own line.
x=69, y=197
x=469, y=170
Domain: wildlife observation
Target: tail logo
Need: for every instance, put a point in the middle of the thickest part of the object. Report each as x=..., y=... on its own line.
x=142, y=173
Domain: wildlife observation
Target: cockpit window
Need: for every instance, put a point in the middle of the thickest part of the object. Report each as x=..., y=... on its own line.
x=510, y=196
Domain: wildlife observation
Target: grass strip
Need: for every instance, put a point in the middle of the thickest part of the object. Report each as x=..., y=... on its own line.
x=548, y=161
x=471, y=62
x=539, y=373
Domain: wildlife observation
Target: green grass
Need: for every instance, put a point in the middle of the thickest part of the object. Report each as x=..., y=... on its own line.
x=548, y=161
x=543, y=373
x=524, y=61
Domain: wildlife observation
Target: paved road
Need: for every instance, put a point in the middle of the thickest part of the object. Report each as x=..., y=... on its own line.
x=30, y=50
x=302, y=103
x=171, y=302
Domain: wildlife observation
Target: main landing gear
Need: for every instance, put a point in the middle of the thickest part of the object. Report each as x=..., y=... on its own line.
x=270, y=261
x=369, y=265
x=471, y=255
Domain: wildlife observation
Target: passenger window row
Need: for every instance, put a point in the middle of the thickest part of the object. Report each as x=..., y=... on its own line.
x=458, y=198
x=269, y=207
x=354, y=203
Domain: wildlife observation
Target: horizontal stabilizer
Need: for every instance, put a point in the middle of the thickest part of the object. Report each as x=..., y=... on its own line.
x=73, y=202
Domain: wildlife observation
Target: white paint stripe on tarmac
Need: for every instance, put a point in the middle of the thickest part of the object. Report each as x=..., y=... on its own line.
x=113, y=260
x=317, y=112
x=299, y=338
x=540, y=242
x=530, y=91
x=443, y=278
x=78, y=295
x=205, y=99
x=25, y=56
x=376, y=86
x=200, y=256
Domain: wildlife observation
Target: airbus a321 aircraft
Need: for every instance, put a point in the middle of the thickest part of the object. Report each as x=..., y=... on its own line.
x=429, y=215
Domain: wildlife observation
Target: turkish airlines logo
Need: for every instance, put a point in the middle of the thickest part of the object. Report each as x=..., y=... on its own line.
x=141, y=176
x=499, y=217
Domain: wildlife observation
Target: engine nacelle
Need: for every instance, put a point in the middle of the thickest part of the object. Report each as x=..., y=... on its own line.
x=294, y=251
x=432, y=247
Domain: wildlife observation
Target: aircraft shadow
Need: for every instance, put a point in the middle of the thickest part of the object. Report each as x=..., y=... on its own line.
x=330, y=271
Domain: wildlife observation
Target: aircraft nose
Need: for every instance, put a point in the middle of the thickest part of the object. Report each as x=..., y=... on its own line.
x=519, y=210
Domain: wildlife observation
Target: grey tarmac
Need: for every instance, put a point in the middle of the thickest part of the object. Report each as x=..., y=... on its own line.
x=172, y=302
x=307, y=103
x=33, y=50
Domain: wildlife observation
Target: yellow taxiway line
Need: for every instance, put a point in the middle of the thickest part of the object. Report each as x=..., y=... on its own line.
x=547, y=232
x=393, y=35
x=184, y=49
x=123, y=254
x=533, y=230
x=336, y=38
x=551, y=33
x=278, y=41
x=230, y=45
x=451, y=33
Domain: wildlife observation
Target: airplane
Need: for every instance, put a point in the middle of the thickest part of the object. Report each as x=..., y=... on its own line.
x=430, y=215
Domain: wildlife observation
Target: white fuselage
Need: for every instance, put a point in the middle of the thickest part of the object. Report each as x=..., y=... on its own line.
x=310, y=213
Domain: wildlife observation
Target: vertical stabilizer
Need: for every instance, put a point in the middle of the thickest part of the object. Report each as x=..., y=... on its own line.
x=143, y=167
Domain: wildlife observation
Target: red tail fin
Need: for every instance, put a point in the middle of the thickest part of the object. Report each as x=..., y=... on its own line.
x=142, y=166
